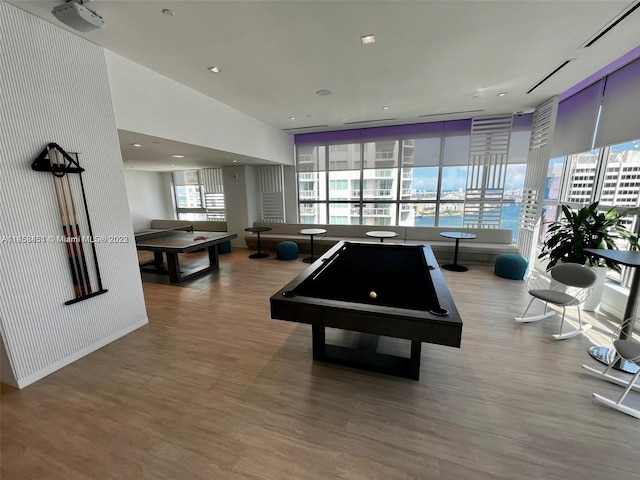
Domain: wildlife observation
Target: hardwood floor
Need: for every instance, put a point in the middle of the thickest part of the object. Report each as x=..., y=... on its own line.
x=213, y=388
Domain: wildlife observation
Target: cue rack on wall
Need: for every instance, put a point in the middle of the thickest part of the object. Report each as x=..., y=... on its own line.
x=77, y=234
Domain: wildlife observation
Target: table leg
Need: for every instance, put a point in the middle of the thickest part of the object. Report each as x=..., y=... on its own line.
x=605, y=354
x=259, y=254
x=414, y=362
x=174, y=267
x=454, y=267
x=157, y=258
x=310, y=259
x=318, y=341
x=213, y=256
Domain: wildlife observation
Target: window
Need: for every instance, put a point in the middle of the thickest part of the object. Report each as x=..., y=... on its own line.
x=581, y=173
x=410, y=181
x=199, y=194
x=609, y=175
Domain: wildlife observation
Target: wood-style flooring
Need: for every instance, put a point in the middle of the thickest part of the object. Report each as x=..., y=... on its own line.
x=213, y=389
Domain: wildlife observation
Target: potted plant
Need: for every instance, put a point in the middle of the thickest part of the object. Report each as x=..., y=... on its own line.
x=587, y=228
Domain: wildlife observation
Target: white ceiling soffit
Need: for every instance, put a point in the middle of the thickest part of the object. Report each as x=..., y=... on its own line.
x=155, y=154
x=431, y=60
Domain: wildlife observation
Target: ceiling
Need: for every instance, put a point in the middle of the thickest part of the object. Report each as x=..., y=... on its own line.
x=431, y=60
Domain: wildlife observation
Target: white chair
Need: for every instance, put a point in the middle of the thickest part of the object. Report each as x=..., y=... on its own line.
x=626, y=350
x=566, y=285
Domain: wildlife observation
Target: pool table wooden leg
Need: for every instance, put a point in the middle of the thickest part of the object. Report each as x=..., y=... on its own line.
x=414, y=362
x=318, y=341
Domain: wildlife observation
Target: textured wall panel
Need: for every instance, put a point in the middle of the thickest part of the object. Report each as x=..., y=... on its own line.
x=271, y=179
x=486, y=171
x=54, y=88
x=535, y=179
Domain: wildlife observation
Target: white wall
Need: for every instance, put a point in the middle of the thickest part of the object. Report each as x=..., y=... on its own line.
x=290, y=195
x=146, y=102
x=146, y=192
x=242, y=200
x=54, y=88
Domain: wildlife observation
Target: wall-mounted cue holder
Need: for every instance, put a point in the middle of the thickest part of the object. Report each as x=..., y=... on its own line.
x=77, y=234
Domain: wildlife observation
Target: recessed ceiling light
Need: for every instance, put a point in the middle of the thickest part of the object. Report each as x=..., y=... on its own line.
x=168, y=13
x=214, y=69
x=386, y=107
x=136, y=145
x=367, y=39
x=292, y=118
x=343, y=119
x=177, y=156
x=502, y=94
x=323, y=93
x=235, y=161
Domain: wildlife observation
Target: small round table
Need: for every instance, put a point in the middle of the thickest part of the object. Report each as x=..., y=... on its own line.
x=454, y=267
x=311, y=232
x=257, y=231
x=381, y=234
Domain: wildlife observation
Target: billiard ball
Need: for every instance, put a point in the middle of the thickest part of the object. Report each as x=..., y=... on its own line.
x=373, y=294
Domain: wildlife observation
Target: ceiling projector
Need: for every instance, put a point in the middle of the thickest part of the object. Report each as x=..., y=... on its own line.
x=77, y=16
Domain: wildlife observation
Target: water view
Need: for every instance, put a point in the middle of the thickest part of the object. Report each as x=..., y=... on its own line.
x=510, y=218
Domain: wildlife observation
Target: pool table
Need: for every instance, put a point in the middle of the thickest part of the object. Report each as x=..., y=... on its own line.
x=378, y=289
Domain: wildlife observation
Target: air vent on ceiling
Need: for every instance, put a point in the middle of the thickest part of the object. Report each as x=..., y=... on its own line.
x=449, y=113
x=303, y=128
x=615, y=22
x=371, y=121
x=553, y=72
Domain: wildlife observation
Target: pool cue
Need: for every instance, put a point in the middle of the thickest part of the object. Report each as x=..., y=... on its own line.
x=74, y=274
x=93, y=245
x=76, y=245
x=86, y=282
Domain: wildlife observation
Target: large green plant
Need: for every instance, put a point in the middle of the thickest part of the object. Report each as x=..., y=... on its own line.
x=587, y=228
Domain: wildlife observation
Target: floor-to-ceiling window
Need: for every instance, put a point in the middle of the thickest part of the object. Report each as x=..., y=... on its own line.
x=609, y=175
x=413, y=178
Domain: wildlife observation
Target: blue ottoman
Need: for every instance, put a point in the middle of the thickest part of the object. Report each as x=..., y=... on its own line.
x=224, y=247
x=511, y=266
x=287, y=251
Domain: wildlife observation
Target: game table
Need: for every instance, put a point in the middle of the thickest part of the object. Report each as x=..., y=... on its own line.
x=172, y=242
x=378, y=289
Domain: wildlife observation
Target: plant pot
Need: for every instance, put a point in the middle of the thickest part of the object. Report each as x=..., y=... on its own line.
x=592, y=303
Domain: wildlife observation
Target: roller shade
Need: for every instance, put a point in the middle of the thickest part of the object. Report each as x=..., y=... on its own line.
x=576, y=121
x=620, y=115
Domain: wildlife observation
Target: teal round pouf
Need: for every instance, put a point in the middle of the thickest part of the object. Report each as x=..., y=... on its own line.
x=224, y=247
x=287, y=251
x=511, y=266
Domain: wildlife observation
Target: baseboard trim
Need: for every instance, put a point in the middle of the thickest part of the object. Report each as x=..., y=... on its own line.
x=49, y=369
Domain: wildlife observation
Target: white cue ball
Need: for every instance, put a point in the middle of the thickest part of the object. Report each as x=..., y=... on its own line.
x=373, y=294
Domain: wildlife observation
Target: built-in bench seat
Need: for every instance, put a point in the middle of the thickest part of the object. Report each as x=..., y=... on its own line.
x=481, y=251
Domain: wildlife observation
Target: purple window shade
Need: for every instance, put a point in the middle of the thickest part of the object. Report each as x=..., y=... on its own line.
x=620, y=115
x=396, y=132
x=576, y=122
x=603, y=72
